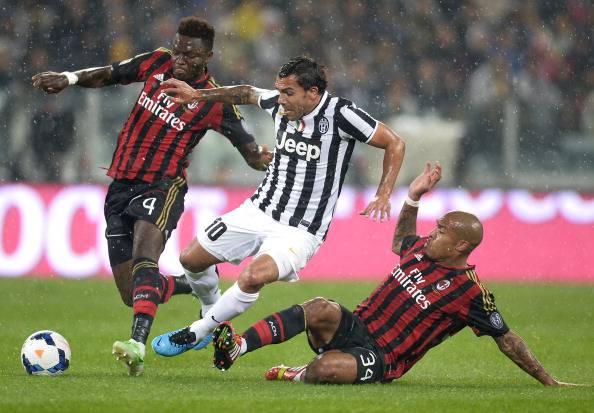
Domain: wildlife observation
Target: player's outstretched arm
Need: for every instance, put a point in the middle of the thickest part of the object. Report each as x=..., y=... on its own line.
x=407, y=220
x=514, y=347
x=54, y=82
x=393, y=146
x=256, y=156
x=231, y=95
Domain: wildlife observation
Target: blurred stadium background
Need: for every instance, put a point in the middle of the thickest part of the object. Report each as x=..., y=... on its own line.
x=501, y=93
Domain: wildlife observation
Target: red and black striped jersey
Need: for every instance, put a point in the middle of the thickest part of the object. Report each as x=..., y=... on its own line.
x=159, y=134
x=421, y=303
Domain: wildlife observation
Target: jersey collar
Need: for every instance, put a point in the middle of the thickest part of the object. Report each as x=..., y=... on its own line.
x=201, y=79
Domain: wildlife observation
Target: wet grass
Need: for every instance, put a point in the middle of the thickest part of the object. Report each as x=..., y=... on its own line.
x=463, y=374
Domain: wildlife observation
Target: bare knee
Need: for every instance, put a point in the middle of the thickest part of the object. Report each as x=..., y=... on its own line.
x=194, y=258
x=148, y=241
x=263, y=270
x=321, y=371
x=186, y=261
x=320, y=311
x=330, y=370
x=250, y=280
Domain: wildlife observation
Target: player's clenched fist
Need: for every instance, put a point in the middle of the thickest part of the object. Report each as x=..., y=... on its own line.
x=50, y=82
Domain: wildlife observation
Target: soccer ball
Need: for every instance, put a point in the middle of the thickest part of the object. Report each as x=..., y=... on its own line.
x=45, y=353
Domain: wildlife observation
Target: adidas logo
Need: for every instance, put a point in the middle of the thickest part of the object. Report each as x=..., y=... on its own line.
x=419, y=257
x=159, y=77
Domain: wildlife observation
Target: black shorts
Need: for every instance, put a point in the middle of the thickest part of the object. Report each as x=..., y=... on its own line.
x=160, y=203
x=352, y=337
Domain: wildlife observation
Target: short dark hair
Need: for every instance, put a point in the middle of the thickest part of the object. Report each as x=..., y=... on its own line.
x=197, y=27
x=309, y=73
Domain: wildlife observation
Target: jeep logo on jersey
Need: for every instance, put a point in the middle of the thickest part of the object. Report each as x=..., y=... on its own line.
x=323, y=125
x=297, y=146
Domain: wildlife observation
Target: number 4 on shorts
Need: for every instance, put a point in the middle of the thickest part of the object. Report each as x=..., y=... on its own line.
x=149, y=204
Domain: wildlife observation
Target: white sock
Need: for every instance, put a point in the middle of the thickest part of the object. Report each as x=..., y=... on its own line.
x=243, y=347
x=231, y=304
x=301, y=375
x=205, y=286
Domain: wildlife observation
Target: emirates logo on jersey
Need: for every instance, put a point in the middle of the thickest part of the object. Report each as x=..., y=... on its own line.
x=162, y=108
x=412, y=284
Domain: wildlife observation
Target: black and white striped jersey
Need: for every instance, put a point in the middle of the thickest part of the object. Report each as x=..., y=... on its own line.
x=311, y=157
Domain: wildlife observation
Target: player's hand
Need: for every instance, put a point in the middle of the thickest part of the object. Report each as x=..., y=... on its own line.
x=50, y=82
x=181, y=91
x=425, y=182
x=265, y=157
x=378, y=209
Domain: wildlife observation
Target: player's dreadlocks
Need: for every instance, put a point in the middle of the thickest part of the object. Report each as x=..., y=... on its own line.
x=193, y=26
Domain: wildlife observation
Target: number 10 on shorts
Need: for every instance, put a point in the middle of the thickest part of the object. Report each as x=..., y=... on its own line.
x=216, y=229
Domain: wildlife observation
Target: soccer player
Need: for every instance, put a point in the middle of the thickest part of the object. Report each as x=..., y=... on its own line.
x=146, y=198
x=429, y=296
x=285, y=222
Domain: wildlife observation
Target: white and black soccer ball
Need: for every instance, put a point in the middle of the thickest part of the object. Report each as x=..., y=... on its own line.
x=45, y=353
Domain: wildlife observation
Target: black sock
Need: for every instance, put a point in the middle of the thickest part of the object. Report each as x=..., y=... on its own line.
x=148, y=292
x=141, y=327
x=173, y=285
x=181, y=285
x=275, y=328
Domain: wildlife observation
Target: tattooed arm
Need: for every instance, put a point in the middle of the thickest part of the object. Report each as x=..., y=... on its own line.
x=407, y=220
x=514, y=347
x=53, y=82
x=407, y=225
x=231, y=95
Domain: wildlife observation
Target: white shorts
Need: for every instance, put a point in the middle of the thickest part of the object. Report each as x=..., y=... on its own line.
x=247, y=231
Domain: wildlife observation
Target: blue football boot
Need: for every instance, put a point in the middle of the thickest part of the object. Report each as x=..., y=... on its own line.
x=178, y=342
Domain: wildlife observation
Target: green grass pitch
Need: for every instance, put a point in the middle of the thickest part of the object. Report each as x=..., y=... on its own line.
x=463, y=374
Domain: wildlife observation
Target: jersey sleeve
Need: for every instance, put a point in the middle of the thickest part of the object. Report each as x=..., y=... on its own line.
x=269, y=102
x=483, y=317
x=139, y=67
x=232, y=126
x=355, y=123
